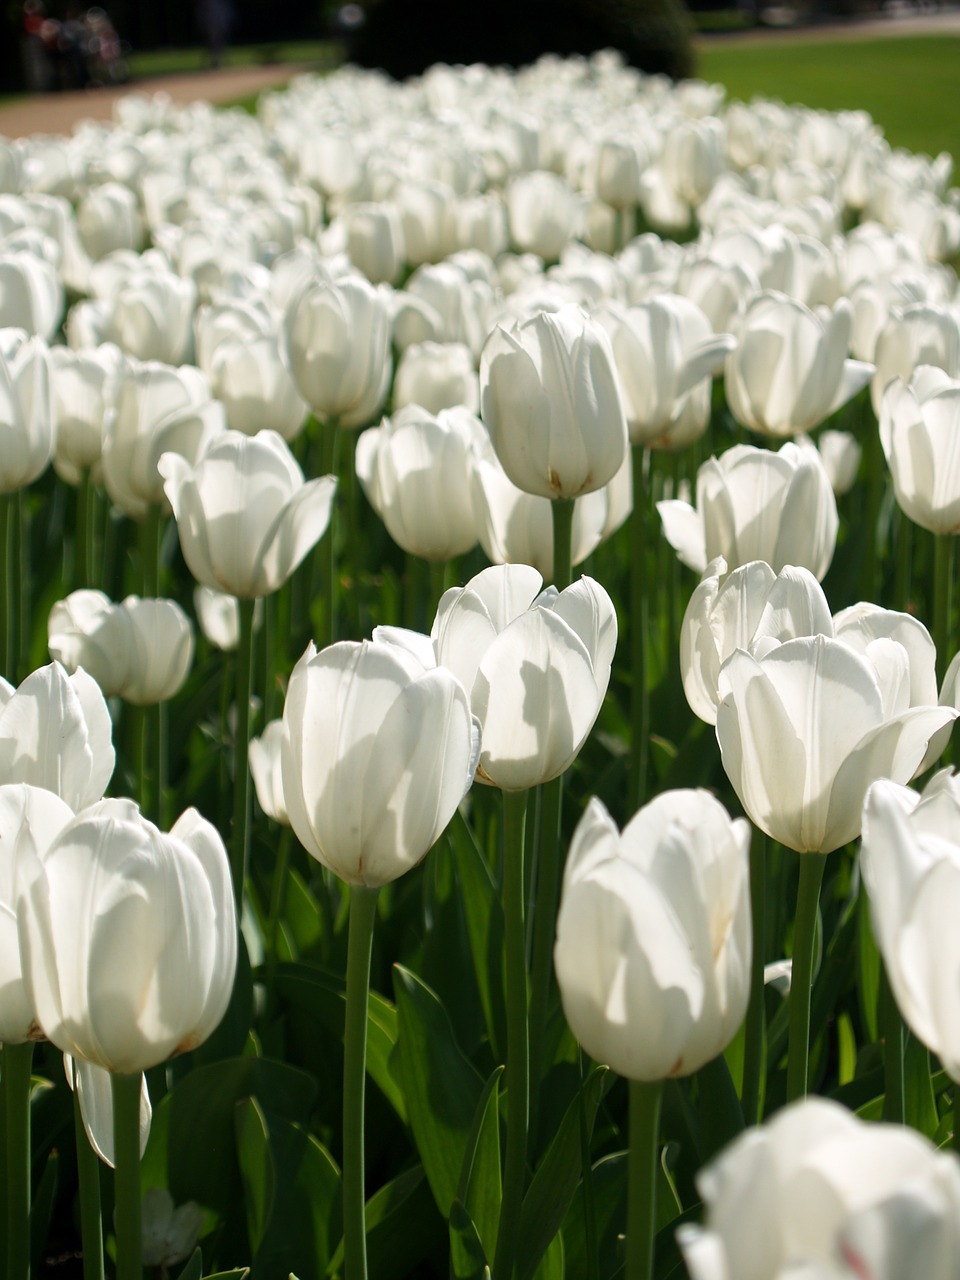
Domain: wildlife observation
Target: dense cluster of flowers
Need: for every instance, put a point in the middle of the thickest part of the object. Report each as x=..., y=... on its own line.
x=513, y=310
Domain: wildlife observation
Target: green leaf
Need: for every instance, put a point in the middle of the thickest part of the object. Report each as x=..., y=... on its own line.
x=552, y=1264
x=920, y=1106
x=256, y=1168
x=609, y=1183
x=194, y=1267
x=192, y=1148
x=440, y=1086
x=483, y=912
x=402, y=1227
x=322, y=996
x=868, y=966
x=553, y=1185
x=468, y=1260
x=721, y=1117
x=238, y=1274
x=41, y=1210
x=480, y=1190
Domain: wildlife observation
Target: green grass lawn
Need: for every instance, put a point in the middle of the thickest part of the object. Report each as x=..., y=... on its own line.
x=908, y=84
x=158, y=62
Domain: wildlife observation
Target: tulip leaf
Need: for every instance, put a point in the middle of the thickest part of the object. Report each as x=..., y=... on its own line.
x=194, y=1268
x=322, y=996
x=256, y=1168
x=238, y=1273
x=302, y=914
x=553, y=1185
x=480, y=1191
x=293, y=1194
x=440, y=1086
x=552, y=1265
x=868, y=968
x=608, y=1179
x=41, y=1208
x=721, y=1117
x=402, y=1227
x=920, y=1105
x=192, y=1147
x=484, y=919
x=468, y=1261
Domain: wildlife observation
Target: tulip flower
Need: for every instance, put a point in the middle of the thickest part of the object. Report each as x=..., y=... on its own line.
x=790, y=369
x=27, y=427
x=108, y=218
x=753, y=504
x=151, y=315
x=911, y=868
x=84, y=386
x=653, y=937
x=416, y=470
x=841, y=454
x=536, y=667
x=437, y=376
x=919, y=427
x=30, y=818
x=805, y=729
x=250, y=377
x=917, y=334
x=818, y=1192
x=246, y=518
x=338, y=343
x=264, y=754
x=544, y=212
x=93, y=1087
x=140, y=650
x=127, y=937
x=549, y=398
x=31, y=293
x=55, y=733
x=377, y=753
x=665, y=352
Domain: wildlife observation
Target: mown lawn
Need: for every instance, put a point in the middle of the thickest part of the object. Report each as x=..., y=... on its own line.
x=908, y=84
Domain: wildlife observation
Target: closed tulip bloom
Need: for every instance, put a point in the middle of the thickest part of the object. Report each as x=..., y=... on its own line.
x=653, y=936
x=377, y=753
x=338, y=342
x=55, y=733
x=158, y=409
x=151, y=316
x=31, y=293
x=30, y=818
x=27, y=427
x=264, y=757
x=373, y=239
x=416, y=470
x=550, y=400
x=94, y=1088
x=245, y=516
x=754, y=504
x=140, y=650
x=665, y=353
x=251, y=378
x=911, y=867
x=108, y=218
x=817, y=1192
x=437, y=375
x=841, y=455
x=805, y=729
x=790, y=370
x=916, y=334
x=84, y=387
x=536, y=666
x=920, y=431
x=743, y=609
x=128, y=937
x=544, y=213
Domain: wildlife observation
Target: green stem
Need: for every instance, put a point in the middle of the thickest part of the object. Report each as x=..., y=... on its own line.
x=804, y=935
x=150, y=533
x=891, y=1024
x=330, y=439
x=8, y=566
x=562, y=509
x=159, y=717
x=88, y=1175
x=547, y=894
x=83, y=554
x=517, y=1072
x=139, y=722
x=903, y=578
x=943, y=583
x=438, y=584
x=639, y=606
x=26, y=619
x=240, y=848
x=277, y=900
x=642, y=1178
x=751, y=1097
x=363, y=911
x=415, y=592
x=17, y=1068
x=126, y=1149
x=586, y=1186
x=347, y=479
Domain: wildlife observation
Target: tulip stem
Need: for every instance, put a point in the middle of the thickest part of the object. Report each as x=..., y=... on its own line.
x=562, y=509
x=8, y=566
x=88, y=1177
x=751, y=1095
x=150, y=552
x=25, y=576
x=363, y=912
x=517, y=1071
x=804, y=936
x=642, y=1177
x=891, y=1029
x=126, y=1146
x=17, y=1069
x=639, y=607
x=943, y=581
x=330, y=439
x=240, y=849
x=277, y=901
x=83, y=551
x=547, y=892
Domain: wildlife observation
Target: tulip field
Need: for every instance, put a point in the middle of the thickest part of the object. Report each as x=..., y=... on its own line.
x=480, y=650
